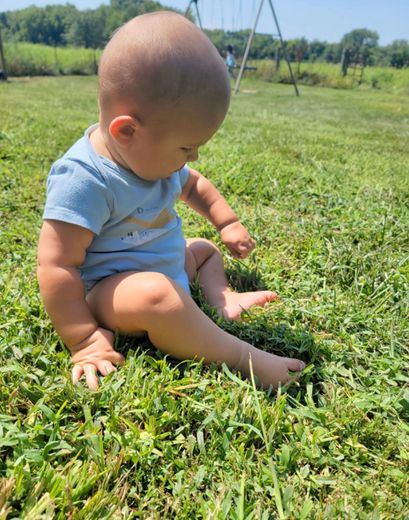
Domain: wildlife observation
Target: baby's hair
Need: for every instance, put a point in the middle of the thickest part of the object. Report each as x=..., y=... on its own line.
x=161, y=57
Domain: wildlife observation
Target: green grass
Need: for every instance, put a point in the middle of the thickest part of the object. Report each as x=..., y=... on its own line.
x=322, y=183
x=328, y=75
x=29, y=59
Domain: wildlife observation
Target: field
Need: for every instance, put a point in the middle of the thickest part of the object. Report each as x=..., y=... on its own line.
x=27, y=59
x=328, y=75
x=322, y=183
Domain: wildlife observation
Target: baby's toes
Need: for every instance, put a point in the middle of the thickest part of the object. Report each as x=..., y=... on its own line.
x=295, y=365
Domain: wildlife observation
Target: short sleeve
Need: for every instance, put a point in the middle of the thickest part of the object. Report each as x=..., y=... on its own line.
x=77, y=194
x=183, y=175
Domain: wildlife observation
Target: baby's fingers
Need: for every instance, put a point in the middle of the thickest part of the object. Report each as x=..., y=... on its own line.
x=76, y=373
x=243, y=250
x=115, y=358
x=105, y=367
x=90, y=375
x=90, y=372
x=248, y=245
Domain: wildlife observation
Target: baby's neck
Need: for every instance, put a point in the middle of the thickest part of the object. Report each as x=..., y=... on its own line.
x=97, y=141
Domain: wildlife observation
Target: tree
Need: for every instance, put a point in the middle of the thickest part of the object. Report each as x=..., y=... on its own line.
x=47, y=25
x=357, y=48
x=317, y=49
x=120, y=11
x=88, y=30
x=297, y=50
x=399, y=54
x=59, y=25
x=359, y=38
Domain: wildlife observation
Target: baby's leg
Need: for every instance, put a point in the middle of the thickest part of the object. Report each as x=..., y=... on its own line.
x=133, y=303
x=203, y=258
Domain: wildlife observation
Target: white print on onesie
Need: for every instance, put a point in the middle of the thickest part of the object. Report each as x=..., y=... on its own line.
x=137, y=238
x=151, y=229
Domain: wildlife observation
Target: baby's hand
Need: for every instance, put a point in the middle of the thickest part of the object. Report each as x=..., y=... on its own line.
x=236, y=238
x=95, y=354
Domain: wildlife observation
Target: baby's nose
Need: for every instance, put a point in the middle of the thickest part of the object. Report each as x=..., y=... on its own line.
x=193, y=156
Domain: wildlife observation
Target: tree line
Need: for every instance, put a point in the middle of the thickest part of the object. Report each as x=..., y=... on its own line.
x=65, y=25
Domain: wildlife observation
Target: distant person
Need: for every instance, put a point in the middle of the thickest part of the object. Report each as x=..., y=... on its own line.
x=230, y=61
x=111, y=254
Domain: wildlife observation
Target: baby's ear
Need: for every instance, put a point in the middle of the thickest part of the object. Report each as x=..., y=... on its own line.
x=122, y=129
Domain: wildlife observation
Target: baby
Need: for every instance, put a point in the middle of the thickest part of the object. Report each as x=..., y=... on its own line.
x=111, y=254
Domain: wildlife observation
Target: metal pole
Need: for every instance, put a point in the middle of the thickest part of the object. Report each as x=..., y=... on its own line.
x=246, y=52
x=2, y=59
x=188, y=7
x=284, y=50
x=197, y=12
x=198, y=15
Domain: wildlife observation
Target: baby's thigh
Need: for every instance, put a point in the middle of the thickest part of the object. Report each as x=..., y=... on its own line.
x=124, y=302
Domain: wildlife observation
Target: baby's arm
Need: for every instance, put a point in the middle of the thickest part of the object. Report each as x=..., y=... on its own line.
x=61, y=251
x=200, y=194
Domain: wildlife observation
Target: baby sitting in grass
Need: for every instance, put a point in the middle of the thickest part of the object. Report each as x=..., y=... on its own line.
x=112, y=255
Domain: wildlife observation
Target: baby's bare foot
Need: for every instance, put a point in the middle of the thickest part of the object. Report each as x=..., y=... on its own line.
x=270, y=369
x=234, y=304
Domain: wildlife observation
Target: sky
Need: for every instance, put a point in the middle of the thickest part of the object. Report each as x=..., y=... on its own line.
x=325, y=20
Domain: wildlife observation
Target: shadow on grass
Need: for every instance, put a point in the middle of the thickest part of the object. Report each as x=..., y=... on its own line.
x=243, y=279
x=259, y=327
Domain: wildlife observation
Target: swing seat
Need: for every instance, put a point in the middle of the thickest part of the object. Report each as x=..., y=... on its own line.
x=245, y=68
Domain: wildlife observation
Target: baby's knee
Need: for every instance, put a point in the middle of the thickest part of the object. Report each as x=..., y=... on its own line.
x=158, y=292
x=132, y=303
x=198, y=251
x=201, y=249
x=196, y=243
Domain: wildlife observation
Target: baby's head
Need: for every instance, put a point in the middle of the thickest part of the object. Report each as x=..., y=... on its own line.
x=162, y=85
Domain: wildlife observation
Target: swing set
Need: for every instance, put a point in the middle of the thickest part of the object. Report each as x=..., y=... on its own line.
x=3, y=71
x=243, y=66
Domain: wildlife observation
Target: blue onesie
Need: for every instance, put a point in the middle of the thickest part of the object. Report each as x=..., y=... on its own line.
x=134, y=221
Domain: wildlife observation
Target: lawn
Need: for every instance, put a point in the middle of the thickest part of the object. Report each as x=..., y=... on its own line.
x=32, y=59
x=322, y=183
x=328, y=75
